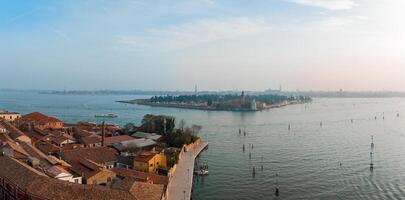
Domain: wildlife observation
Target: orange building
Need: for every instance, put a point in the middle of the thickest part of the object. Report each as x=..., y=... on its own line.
x=40, y=121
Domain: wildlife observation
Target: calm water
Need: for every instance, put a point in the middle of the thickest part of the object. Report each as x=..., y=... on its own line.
x=306, y=158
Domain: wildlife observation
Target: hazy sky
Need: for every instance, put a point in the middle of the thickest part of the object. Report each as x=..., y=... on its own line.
x=217, y=44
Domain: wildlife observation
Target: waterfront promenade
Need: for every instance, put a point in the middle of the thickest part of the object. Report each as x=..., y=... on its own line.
x=182, y=179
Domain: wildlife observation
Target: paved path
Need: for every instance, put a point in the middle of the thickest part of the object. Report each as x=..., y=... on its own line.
x=182, y=179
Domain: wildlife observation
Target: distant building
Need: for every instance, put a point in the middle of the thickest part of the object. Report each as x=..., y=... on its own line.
x=253, y=105
x=40, y=121
x=9, y=116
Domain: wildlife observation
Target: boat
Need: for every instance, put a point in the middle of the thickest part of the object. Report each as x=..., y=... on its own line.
x=111, y=115
x=201, y=172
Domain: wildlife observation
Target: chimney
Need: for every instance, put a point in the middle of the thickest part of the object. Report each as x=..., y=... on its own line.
x=102, y=134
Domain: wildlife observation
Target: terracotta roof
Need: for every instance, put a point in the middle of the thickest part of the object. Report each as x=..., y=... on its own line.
x=117, y=139
x=8, y=113
x=72, y=146
x=27, y=178
x=86, y=168
x=6, y=142
x=91, y=140
x=55, y=171
x=47, y=148
x=59, y=139
x=39, y=118
x=82, y=133
x=144, y=156
x=147, y=191
x=35, y=135
x=99, y=154
x=140, y=190
x=14, y=132
x=141, y=176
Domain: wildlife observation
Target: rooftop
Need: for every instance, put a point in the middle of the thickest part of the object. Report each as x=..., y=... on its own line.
x=38, y=184
x=141, y=176
x=153, y=136
x=38, y=117
x=117, y=139
x=144, y=156
x=2, y=112
x=135, y=143
x=91, y=140
x=99, y=154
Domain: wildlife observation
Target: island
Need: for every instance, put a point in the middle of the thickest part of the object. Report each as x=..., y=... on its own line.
x=226, y=102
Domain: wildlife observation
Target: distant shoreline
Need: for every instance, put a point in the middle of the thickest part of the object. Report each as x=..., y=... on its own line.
x=144, y=102
x=313, y=94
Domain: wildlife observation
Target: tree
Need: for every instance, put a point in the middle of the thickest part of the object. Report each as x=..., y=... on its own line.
x=196, y=128
x=129, y=128
x=161, y=124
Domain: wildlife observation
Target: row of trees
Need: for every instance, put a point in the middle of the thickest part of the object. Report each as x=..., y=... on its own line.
x=166, y=126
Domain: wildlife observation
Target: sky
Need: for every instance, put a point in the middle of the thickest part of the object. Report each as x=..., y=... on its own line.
x=217, y=44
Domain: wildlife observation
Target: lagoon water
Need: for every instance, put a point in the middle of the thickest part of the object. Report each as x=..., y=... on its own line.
x=306, y=158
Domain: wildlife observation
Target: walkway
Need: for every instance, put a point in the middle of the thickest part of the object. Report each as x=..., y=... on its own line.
x=182, y=179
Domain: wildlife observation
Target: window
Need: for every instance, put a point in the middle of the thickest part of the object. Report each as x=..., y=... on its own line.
x=151, y=165
x=157, y=163
x=76, y=180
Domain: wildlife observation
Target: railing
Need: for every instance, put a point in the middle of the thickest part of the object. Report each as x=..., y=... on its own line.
x=10, y=191
x=184, y=149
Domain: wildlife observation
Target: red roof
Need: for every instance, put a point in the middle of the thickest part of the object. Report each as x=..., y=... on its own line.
x=91, y=140
x=144, y=156
x=38, y=117
x=117, y=139
x=141, y=176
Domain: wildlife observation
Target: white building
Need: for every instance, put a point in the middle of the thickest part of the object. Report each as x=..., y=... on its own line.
x=9, y=116
x=61, y=174
x=2, y=129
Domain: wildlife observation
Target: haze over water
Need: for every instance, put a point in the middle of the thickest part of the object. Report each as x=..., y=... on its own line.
x=306, y=158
